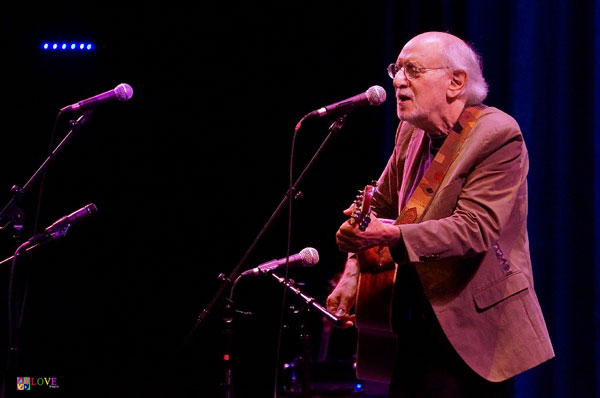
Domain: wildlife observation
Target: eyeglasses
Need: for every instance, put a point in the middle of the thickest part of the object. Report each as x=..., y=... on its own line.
x=411, y=71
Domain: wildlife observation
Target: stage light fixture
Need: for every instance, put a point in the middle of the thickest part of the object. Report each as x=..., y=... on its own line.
x=64, y=46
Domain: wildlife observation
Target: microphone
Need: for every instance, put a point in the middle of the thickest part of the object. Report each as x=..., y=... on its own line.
x=123, y=92
x=306, y=258
x=375, y=96
x=60, y=227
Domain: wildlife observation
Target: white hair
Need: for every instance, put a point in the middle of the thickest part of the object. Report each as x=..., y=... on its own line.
x=460, y=56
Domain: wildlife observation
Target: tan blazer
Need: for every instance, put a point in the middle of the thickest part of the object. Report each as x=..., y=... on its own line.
x=471, y=249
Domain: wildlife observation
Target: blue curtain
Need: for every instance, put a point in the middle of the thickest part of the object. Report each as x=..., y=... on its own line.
x=596, y=183
x=542, y=61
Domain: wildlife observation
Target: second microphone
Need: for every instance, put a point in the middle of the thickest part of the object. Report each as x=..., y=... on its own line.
x=307, y=257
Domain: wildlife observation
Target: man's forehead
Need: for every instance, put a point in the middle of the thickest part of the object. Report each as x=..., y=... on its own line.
x=423, y=49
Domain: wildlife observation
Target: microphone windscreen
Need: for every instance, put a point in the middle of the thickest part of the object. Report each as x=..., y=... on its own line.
x=310, y=256
x=376, y=95
x=124, y=92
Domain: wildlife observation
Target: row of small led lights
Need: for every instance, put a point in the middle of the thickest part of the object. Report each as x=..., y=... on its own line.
x=65, y=46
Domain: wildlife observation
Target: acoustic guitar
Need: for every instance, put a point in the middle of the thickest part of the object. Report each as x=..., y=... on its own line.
x=376, y=340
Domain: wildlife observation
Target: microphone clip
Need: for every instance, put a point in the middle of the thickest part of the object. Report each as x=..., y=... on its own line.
x=337, y=124
x=59, y=230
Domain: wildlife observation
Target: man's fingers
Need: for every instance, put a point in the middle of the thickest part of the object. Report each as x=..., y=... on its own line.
x=346, y=321
x=350, y=320
x=341, y=311
x=345, y=238
x=332, y=303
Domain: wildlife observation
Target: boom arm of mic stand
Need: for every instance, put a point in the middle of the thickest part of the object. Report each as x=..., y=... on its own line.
x=309, y=300
x=27, y=250
x=6, y=260
x=18, y=192
x=226, y=281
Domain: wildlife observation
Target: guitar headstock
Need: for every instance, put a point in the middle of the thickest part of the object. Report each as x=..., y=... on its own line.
x=361, y=213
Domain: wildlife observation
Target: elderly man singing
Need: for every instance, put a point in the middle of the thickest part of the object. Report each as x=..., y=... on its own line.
x=438, y=267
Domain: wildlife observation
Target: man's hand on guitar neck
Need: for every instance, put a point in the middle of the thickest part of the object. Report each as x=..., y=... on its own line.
x=342, y=298
x=351, y=239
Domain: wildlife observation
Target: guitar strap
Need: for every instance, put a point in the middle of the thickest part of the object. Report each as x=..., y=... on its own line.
x=429, y=184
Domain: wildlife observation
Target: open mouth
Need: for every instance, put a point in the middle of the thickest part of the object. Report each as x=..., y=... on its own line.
x=403, y=98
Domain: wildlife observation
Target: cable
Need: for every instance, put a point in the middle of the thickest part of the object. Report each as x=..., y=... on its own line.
x=289, y=240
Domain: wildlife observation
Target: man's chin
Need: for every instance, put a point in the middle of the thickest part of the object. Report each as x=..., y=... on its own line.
x=406, y=114
x=413, y=117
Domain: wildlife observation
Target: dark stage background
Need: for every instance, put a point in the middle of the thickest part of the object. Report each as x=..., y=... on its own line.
x=188, y=171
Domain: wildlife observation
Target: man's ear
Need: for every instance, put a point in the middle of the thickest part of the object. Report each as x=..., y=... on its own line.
x=457, y=84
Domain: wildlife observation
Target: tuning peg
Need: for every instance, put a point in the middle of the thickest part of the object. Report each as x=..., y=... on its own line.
x=365, y=222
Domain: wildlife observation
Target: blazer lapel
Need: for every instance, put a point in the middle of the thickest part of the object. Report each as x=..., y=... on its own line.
x=411, y=165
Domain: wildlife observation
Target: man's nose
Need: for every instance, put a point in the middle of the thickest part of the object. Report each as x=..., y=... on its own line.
x=400, y=80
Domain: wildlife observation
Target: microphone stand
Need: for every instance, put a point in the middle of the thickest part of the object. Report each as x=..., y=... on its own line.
x=11, y=211
x=228, y=282
x=293, y=191
x=228, y=316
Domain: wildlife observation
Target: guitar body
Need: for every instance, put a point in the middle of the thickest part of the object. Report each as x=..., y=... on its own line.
x=376, y=340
